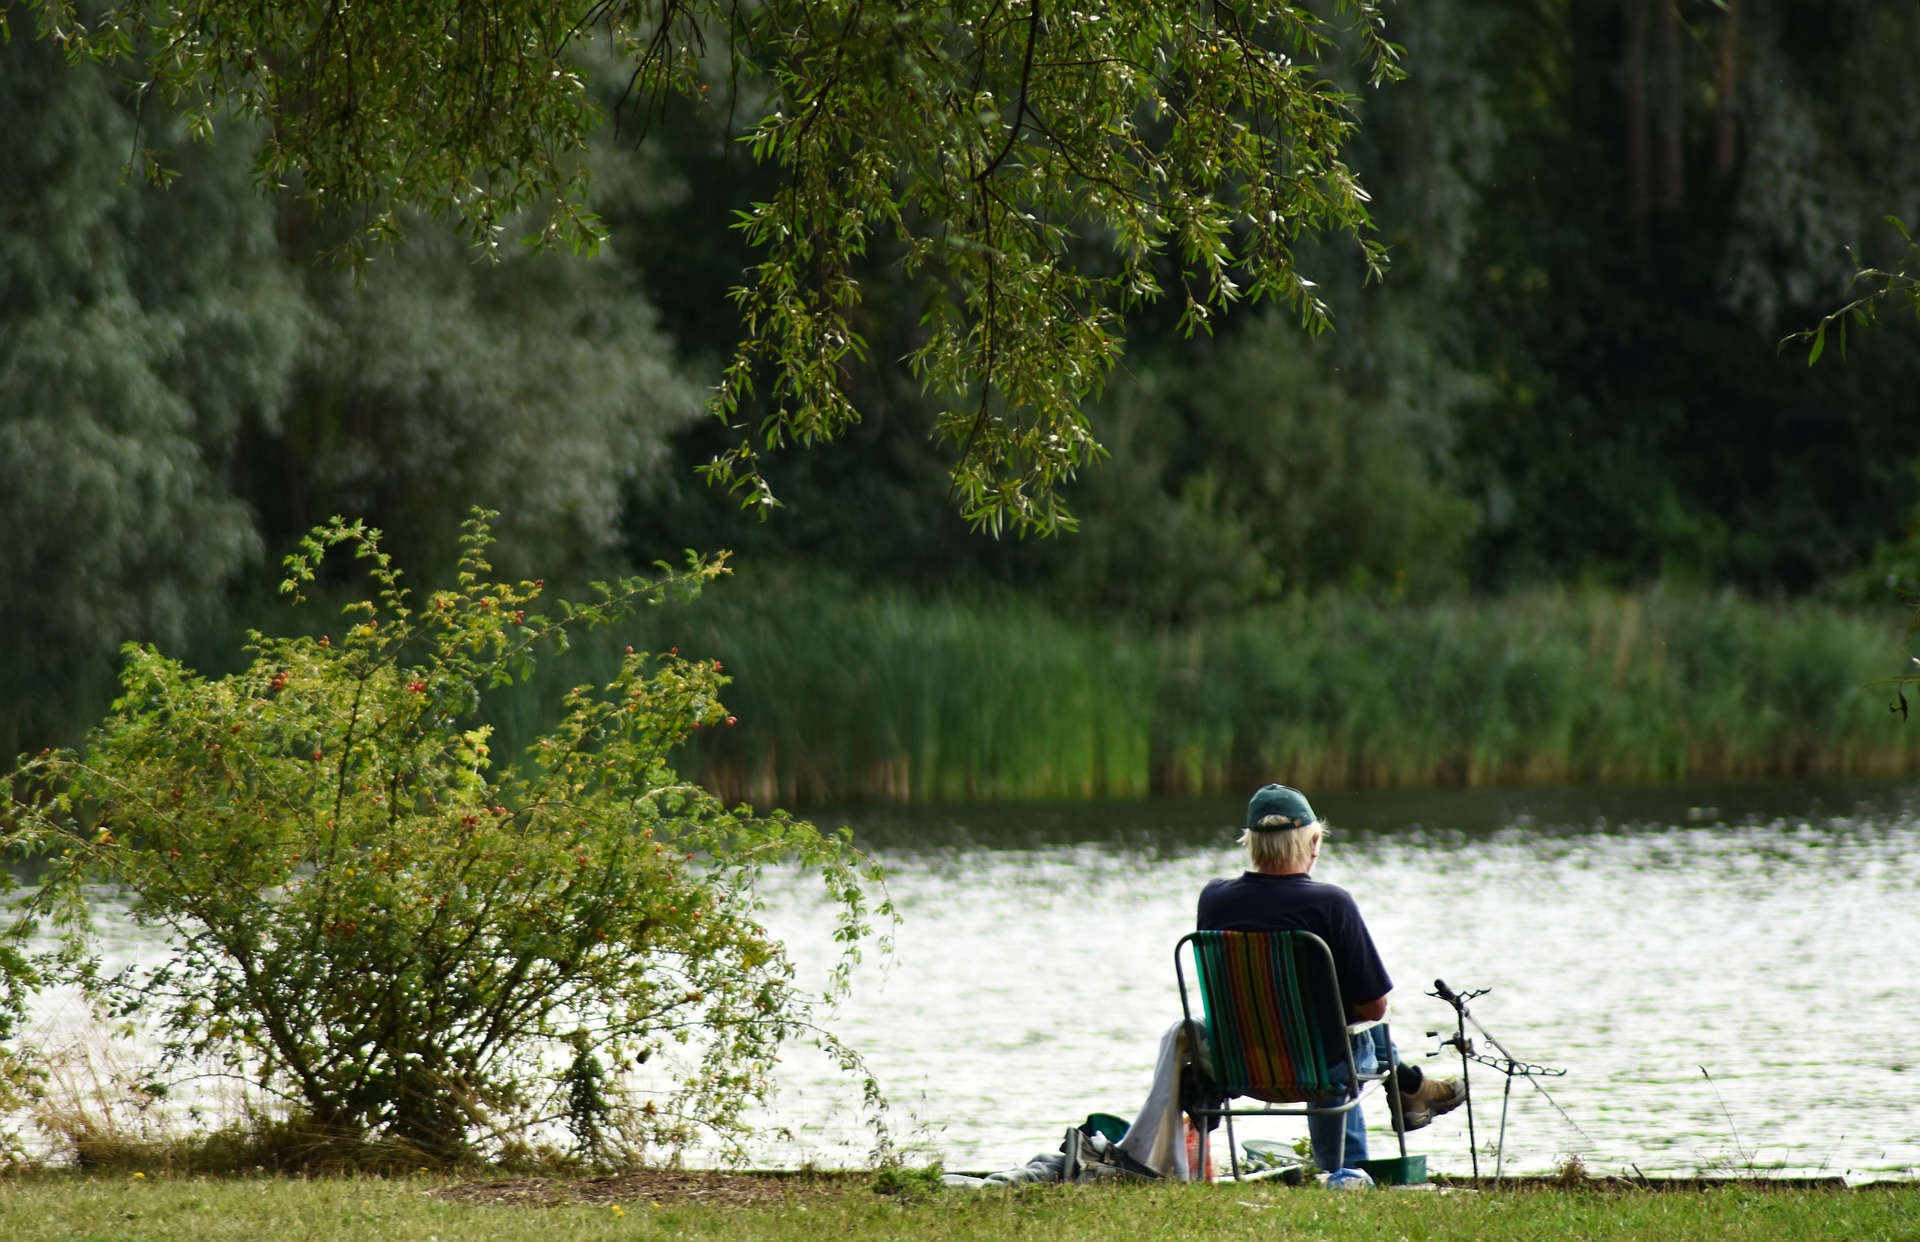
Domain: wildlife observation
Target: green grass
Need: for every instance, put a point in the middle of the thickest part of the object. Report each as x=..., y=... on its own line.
x=844, y=697
x=161, y=1210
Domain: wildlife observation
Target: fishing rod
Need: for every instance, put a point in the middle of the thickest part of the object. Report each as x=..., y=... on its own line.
x=1506, y=1063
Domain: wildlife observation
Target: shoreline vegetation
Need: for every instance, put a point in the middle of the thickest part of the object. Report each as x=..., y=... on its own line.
x=844, y=698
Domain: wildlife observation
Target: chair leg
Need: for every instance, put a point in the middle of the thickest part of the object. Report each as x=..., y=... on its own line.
x=1393, y=1100
x=1233, y=1150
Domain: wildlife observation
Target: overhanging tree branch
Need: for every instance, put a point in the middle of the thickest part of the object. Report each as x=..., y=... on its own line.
x=1186, y=131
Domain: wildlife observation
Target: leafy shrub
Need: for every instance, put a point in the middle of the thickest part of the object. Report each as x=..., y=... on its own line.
x=368, y=916
x=909, y=1185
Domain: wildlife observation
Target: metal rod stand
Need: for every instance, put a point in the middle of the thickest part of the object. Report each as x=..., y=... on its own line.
x=1464, y=1046
x=1500, y=1152
x=1509, y=1067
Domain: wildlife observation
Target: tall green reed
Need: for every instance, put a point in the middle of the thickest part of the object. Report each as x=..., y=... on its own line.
x=843, y=696
x=1540, y=687
x=846, y=698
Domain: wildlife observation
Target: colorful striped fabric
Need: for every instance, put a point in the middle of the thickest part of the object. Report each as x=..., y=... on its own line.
x=1273, y=1013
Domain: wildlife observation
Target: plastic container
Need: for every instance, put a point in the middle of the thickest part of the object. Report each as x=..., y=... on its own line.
x=1397, y=1170
x=1258, y=1154
x=1199, y=1153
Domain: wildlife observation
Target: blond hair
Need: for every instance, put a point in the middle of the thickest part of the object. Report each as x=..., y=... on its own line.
x=1282, y=849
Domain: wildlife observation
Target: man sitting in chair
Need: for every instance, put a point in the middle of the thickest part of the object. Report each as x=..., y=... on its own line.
x=1283, y=838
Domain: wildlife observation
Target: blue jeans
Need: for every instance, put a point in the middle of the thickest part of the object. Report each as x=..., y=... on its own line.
x=1370, y=1049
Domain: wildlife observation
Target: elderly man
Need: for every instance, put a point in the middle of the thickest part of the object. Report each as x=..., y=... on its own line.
x=1283, y=838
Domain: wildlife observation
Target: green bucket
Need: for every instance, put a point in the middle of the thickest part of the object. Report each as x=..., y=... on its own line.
x=1397, y=1170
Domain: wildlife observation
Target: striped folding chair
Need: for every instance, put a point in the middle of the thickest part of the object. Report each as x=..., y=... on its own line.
x=1276, y=1028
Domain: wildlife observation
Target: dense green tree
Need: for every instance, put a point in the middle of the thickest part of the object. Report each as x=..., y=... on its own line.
x=1675, y=188
x=1241, y=471
x=1604, y=216
x=537, y=386
x=180, y=386
x=1252, y=471
x=137, y=328
x=1172, y=526
x=1579, y=335
x=1036, y=170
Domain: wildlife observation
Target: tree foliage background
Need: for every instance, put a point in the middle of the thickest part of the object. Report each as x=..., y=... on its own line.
x=1603, y=217
x=1035, y=173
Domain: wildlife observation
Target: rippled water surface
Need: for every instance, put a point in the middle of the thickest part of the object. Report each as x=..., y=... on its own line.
x=1728, y=975
x=1765, y=935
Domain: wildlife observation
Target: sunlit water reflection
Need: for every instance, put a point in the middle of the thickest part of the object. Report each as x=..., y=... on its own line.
x=1766, y=936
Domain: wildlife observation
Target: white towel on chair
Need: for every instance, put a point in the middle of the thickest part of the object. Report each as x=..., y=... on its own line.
x=1158, y=1137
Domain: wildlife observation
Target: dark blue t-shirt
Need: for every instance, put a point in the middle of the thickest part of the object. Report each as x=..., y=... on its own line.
x=1253, y=901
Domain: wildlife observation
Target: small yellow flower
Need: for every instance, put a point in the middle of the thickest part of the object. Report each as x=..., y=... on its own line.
x=618, y=1210
x=139, y=1177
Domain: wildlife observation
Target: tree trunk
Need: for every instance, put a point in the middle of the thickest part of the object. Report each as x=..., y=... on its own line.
x=1592, y=66
x=1727, y=85
x=1633, y=89
x=1673, y=103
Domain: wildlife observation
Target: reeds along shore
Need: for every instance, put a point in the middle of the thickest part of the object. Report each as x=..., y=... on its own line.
x=844, y=699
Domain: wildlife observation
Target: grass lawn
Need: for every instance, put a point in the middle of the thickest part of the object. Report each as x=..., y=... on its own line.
x=163, y=1209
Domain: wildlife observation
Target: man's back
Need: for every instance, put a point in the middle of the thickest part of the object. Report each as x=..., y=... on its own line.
x=1255, y=901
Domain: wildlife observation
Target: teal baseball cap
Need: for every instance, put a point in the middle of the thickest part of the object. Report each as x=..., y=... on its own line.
x=1279, y=802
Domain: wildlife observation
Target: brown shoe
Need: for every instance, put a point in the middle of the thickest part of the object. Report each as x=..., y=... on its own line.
x=1435, y=1096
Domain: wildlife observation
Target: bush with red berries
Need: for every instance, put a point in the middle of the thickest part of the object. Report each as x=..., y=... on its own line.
x=406, y=936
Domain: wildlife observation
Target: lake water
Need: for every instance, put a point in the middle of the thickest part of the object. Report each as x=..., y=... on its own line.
x=1727, y=974
x=1766, y=935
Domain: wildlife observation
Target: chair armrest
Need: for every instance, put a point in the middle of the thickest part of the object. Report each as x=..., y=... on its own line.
x=1354, y=1028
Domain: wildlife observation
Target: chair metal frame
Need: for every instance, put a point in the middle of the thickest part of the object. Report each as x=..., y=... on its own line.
x=1314, y=1099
